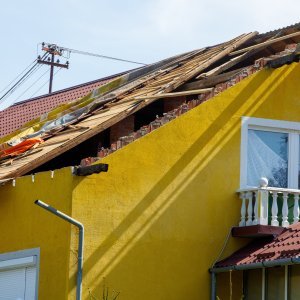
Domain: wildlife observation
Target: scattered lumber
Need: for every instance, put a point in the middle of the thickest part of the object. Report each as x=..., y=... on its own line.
x=210, y=81
x=264, y=44
x=175, y=94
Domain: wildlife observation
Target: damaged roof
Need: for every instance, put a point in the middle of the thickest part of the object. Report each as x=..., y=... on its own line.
x=196, y=72
x=18, y=114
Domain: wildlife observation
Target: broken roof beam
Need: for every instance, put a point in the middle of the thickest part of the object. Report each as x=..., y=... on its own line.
x=175, y=94
x=266, y=43
x=232, y=62
x=210, y=81
x=228, y=49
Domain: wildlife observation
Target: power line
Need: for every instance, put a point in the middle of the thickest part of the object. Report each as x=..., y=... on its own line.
x=17, y=84
x=103, y=56
x=31, y=86
x=32, y=70
x=96, y=55
x=43, y=84
x=18, y=76
x=20, y=82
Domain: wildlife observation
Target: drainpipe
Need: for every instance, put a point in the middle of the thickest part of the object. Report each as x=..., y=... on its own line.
x=213, y=288
x=80, y=241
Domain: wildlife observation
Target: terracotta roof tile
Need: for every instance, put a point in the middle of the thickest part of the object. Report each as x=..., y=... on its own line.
x=17, y=115
x=286, y=245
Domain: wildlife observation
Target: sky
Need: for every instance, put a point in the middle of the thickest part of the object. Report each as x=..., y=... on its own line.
x=144, y=31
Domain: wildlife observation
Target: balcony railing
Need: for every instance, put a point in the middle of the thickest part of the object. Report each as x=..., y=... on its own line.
x=269, y=206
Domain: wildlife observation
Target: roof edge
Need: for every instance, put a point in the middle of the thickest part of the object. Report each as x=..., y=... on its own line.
x=71, y=88
x=263, y=264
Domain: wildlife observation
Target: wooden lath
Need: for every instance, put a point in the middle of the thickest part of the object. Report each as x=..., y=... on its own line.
x=266, y=43
x=171, y=76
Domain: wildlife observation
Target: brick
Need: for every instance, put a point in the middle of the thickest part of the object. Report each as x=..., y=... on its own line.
x=122, y=128
x=172, y=103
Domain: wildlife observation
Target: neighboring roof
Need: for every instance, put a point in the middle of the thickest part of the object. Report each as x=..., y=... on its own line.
x=18, y=114
x=107, y=106
x=285, y=245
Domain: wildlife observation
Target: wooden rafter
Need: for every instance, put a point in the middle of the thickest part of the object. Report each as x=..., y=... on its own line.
x=264, y=44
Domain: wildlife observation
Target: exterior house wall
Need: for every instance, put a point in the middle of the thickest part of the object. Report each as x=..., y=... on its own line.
x=25, y=226
x=157, y=220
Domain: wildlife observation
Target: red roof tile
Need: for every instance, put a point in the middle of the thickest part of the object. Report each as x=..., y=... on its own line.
x=17, y=115
x=285, y=245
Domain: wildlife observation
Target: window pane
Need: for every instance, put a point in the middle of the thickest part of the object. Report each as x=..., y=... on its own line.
x=267, y=157
x=275, y=283
x=254, y=284
x=294, y=288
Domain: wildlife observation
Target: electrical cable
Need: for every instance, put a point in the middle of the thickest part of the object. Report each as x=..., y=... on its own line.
x=103, y=56
x=98, y=55
x=43, y=84
x=20, y=82
x=13, y=88
x=17, y=76
x=20, y=74
x=31, y=86
x=22, y=79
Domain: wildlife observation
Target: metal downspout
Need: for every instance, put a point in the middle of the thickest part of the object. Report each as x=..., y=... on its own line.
x=213, y=283
x=80, y=241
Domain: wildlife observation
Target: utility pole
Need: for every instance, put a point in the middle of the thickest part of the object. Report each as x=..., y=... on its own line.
x=53, y=50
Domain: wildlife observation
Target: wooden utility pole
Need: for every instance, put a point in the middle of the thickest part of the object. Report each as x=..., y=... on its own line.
x=53, y=50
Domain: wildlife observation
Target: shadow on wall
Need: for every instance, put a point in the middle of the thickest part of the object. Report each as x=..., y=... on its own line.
x=183, y=262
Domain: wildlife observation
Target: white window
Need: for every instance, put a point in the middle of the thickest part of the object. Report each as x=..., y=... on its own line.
x=270, y=148
x=19, y=275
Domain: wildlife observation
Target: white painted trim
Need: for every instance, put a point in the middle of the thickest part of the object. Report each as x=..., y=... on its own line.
x=293, y=130
x=17, y=263
x=244, y=152
x=285, y=125
x=293, y=153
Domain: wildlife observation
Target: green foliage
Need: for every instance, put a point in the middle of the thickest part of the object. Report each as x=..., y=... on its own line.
x=106, y=295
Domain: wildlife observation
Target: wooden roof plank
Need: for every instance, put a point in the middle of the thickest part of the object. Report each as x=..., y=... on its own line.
x=265, y=44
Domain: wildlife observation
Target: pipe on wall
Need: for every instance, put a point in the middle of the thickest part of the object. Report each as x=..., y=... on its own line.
x=80, y=241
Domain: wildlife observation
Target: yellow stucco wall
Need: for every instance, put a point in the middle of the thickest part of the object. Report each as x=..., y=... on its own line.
x=157, y=220
x=25, y=226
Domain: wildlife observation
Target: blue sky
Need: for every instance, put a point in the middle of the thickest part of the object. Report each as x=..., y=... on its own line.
x=144, y=31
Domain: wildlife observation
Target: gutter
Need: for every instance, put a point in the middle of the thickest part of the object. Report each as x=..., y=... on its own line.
x=265, y=264
x=80, y=241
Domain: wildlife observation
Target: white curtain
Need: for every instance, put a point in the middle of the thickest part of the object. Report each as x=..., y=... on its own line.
x=263, y=161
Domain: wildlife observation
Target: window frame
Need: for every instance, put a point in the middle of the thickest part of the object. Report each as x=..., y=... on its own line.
x=21, y=259
x=293, y=131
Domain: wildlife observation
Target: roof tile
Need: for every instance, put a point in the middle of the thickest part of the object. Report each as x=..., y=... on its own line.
x=286, y=245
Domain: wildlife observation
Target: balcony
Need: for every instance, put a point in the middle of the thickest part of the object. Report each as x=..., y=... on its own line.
x=267, y=210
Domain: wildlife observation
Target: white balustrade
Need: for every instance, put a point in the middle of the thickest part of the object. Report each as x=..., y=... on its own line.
x=243, y=210
x=256, y=201
x=285, y=210
x=296, y=208
x=255, y=220
x=274, y=221
x=249, y=209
